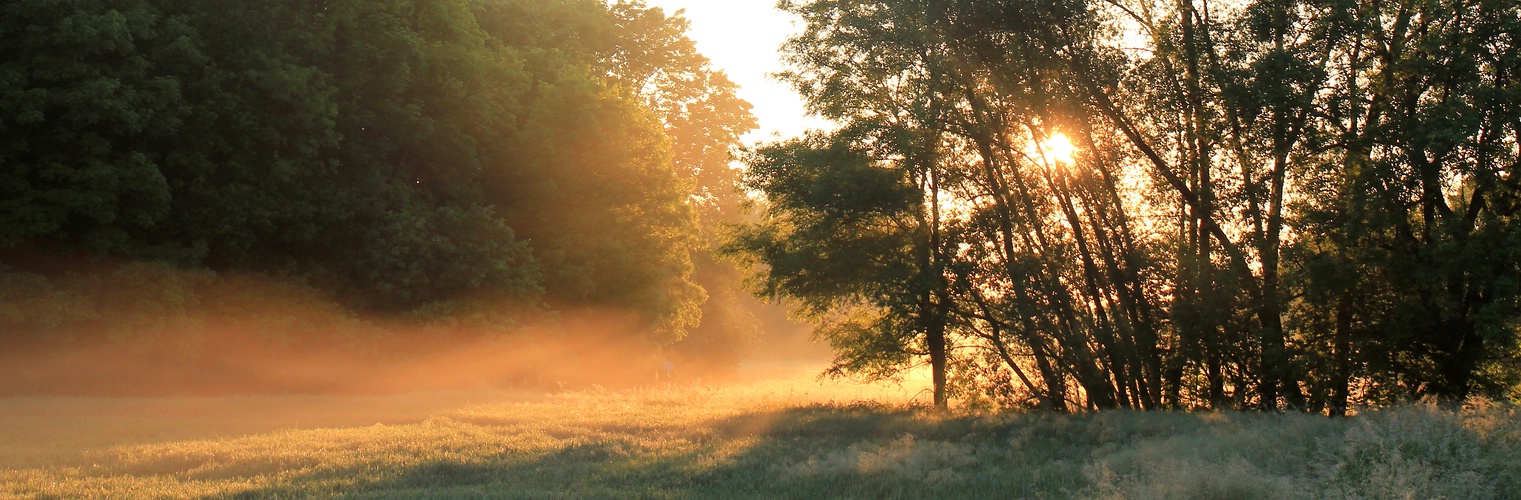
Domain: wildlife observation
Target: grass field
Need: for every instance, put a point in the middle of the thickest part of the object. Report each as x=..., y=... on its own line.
x=783, y=437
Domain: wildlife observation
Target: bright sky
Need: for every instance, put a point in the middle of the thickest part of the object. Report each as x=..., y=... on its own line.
x=742, y=38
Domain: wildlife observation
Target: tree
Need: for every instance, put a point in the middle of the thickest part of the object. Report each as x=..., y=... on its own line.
x=1268, y=207
x=402, y=155
x=653, y=60
x=1414, y=197
x=78, y=134
x=846, y=234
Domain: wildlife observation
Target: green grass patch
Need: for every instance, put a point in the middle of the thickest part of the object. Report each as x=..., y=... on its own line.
x=778, y=439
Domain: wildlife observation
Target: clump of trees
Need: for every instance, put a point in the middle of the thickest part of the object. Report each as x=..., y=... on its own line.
x=1273, y=204
x=411, y=158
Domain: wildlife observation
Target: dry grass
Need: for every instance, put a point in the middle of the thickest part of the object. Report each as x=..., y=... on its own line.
x=789, y=437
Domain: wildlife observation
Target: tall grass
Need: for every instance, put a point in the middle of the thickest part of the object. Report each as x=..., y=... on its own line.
x=779, y=439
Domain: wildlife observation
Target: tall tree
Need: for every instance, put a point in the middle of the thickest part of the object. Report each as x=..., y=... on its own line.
x=1269, y=205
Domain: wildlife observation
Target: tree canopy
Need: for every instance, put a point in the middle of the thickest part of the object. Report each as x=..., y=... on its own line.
x=1272, y=204
x=404, y=156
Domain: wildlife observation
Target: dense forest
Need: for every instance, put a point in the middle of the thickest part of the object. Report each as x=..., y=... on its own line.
x=170, y=168
x=1074, y=204
x=1060, y=204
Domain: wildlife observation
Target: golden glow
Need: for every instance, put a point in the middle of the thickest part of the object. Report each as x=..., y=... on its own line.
x=741, y=38
x=1059, y=148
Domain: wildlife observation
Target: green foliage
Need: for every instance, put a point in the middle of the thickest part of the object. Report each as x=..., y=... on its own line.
x=838, y=237
x=1282, y=205
x=400, y=154
x=831, y=235
x=653, y=59
x=1303, y=205
x=81, y=93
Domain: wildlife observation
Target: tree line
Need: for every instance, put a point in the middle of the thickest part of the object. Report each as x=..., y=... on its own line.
x=425, y=159
x=1273, y=204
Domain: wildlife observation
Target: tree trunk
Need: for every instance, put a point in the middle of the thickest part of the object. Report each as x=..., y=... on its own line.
x=1341, y=353
x=935, y=337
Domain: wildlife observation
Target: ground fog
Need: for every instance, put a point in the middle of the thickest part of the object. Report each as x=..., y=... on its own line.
x=784, y=434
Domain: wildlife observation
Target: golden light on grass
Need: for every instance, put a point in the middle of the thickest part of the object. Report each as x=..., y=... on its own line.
x=784, y=434
x=1059, y=148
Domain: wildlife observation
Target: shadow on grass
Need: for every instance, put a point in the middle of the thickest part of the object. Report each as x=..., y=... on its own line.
x=870, y=451
x=832, y=451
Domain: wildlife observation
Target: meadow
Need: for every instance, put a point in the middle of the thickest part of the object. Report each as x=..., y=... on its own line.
x=786, y=436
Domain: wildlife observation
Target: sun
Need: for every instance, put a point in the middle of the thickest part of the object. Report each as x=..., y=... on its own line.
x=1059, y=148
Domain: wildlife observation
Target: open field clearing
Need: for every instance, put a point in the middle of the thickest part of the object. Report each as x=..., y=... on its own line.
x=786, y=437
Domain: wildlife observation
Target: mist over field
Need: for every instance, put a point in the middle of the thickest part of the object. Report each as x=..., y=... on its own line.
x=235, y=335
x=519, y=248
